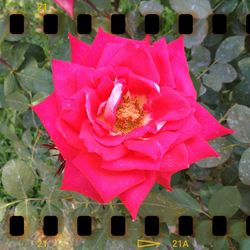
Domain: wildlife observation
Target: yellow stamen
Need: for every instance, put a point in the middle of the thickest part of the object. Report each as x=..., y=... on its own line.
x=129, y=114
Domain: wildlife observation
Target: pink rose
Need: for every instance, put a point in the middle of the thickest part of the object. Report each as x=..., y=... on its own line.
x=67, y=5
x=124, y=115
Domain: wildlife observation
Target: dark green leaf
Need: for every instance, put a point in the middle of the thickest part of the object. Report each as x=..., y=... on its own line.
x=241, y=92
x=244, y=66
x=17, y=101
x=150, y=7
x=200, y=29
x=10, y=84
x=222, y=146
x=225, y=202
x=230, y=49
x=204, y=233
x=245, y=198
x=221, y=244
x=237, y=230
x=238, y=119
x=35, y=79
x=244, y=167
x=198, y=8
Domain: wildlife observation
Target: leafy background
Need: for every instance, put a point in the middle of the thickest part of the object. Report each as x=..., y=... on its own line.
x=219, y=65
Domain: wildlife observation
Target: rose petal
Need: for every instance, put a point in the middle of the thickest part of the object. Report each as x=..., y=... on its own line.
x=67, y=5
x=139, y=85
x=73, y=180
x=175, y=160
x=137, y=59
x=73, y=110
x=47, y=111
x=79, y=50
x=92, y=103
x=131, y=162
x=169, y=106
x=112, y=104
x=105, y=86
x=108, y=52
x=134, y=197
x=100, y=42
x=211, y=128
x=198, y=148
x=109, y=184
x=70, y=135
x=159, y=51
x=164, y=179
x=110, y=140
x=180, y=67
x=107, y=153
x=65, y=80
x=189, y=129
x=155, y=146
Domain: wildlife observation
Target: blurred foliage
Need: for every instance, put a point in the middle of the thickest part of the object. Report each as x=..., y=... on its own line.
x=219, y=66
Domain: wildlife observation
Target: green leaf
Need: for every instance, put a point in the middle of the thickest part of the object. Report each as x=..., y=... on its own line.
x=3, y=27
x=196, y=82
x=242, y=10
x=35, y=79
x=244, y=167
x=200, y=29
x=20, y=149
x=159, y=203
x=238, y=119
x=27, y=138
x=241, y=92
x=203, y=232
x=2, y=210
x=197, y=8
x=221, y=244
x=30, y=215
x=185, y=200
x=38, y=97
x=14, y=53
x=36, y=52
x=230, y=48
x=244, y=65
x=201, y=58
x=225, y=71
x=245, y=198
x=50, y=189
x=51, y=210
x=212, y=81
x=237, y=230
x=17, y=101
x=97, y=240
x=150, y=7
x=10, y=84
x=222, y=146
x=227, y=7
x=17, y=178
x=245, y=244
x=225, y=202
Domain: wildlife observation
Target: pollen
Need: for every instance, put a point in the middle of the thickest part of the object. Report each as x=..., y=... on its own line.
x=129, y=114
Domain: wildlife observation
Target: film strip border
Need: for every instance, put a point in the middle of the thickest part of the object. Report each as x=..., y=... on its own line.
x=219, y=226
x=152, y=24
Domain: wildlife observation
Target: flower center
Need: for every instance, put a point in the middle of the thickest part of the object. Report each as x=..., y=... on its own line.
x=129, y=114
